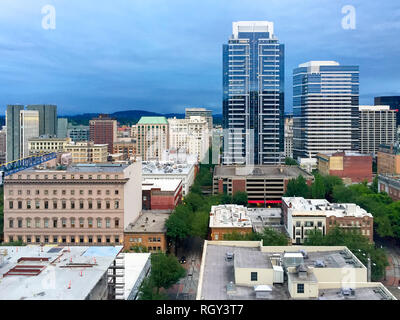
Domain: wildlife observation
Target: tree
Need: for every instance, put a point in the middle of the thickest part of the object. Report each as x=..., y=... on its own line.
x=138, y=248
x=318, y=188
x=240, y=198
x=271, y=237
x=226, y=199
x=148, y=291
x=165, y=271
x=177, y=229
x=200, y=224
x=297, y=188
x=374, y=185
x=290, y=162
x=194, y=200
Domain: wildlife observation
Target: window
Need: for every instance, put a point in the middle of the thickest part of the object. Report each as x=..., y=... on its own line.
x=297, y=224
x=37, y=192
x=19, y=192
x=116, y=239
x=64, y=239
x=116, y=223
x=90, y=192
x=81, y=239
x=108, y=240
x=10, y=192
x=28, y=223
x=319, y=224
x=108, y=223
x=253, y=276
x=72, y=192
x=46, y=239
x=107, y=192
x=54, y=204
x=46, y=204
x=54, y=223
x=64, y=204
x=72, y=239
x=90, y=204
x=37, y=239
x=90, y=239
x=107, y=204
x=72, y=222
x=37, y=204
x=98, y=223
x=64, y=222
x=19, y=223
x=46, y=192
x=19, y=204
x=72, y=204
x=90, y=223
x=81, y=192
x=116, y=191
x=63, y=192
x=116, y=204
x=98, y=192
x=81, y=204
x=37, y=223
x=54, y=192
x=46, y=223
x=11, y=223
x=300, y=288
x=81, y=222
x=98, y=204
x=309, y=224
x=11, y=204
x=28, y=192
x=28, y=239
x=98, y=239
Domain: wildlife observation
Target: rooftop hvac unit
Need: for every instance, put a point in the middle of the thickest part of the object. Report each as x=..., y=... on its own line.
x=229, y=256
x=319, y=264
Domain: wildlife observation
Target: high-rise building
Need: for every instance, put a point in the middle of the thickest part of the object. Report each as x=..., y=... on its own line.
x=325, y=108
x=191, y=134
x=392, y=101
x=47, y=118
x=377, y=126
x=152, y=137
x=103, y=130
x=253, y=94
x=21, y=126
x=3, y=144
x=202, y=112
x=78, y=133
x=289, y=136
x=62, y=128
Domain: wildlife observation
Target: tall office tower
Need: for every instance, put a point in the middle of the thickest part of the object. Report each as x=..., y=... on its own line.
x=3, y=144
x=152, y=137
x=202, y=112
x=21, y=126
x=253, y=95
x=191, y=134
x=47, y=118
x=289, y=136
x=103, y=130
x=392, y=101
x=78, y=133
x=62, y=128
x=325, y=108
x=377, y=126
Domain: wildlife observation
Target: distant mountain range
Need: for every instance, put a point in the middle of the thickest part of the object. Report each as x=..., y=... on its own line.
x=123, y=117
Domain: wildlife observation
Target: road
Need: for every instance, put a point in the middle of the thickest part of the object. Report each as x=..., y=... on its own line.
x=186, y=288
x=392, y=278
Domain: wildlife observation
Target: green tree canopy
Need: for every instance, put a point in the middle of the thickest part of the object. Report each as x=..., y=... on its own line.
x=240, y=198
x=318, y=190
x=165, y=270
x=297, y=188
x=290, y=162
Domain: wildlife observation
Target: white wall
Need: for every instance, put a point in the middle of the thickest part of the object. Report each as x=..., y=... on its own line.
x=132, y=192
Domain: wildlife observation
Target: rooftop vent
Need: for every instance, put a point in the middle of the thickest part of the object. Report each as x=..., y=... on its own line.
x=319, y=264
x=229, y=256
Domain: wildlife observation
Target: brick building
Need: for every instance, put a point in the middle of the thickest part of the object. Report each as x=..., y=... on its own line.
x=126, y=148
x=302, y=216
x=103, y=130
x=79, y=205
x=148, y=231
x=350, y=166
x=389, y=159
x=390, y=184
x=161, y=194
x=263, y=184
x=225, y=219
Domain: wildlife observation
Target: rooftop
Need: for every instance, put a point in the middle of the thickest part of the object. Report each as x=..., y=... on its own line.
x=153, y=120
x=62, y=266
x=321, y=207
x=150, y=221
x=261, y=171
x=375, y=108
x=163, y=185
x=229, y=216
x=165, y=168
x=376, y=292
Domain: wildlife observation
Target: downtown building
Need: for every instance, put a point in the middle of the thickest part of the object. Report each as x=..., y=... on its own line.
x=21, y=126
x=325, y=107
x=48, y=122
x=392, y=101
x=152, y=137
x=103, y=130
x=82, y=204
x=377, y=126
x=253, y=95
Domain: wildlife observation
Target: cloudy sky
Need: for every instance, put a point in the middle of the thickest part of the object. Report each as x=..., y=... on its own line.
x=165, y=55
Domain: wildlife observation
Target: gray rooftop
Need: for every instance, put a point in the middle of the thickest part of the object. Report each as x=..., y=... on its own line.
x=53, y=280
x=261, y=171
x=332, y=259
x=245, y=258
x=372, y=293
x=150, y=221
x=218, y=273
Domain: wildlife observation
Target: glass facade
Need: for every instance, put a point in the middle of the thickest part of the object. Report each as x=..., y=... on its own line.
x=392, y=101
x=253, y=96
x=325, y=108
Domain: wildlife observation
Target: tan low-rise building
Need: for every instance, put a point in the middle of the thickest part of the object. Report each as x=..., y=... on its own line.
x=87, y=152
x=47, y=145
x=83, y=204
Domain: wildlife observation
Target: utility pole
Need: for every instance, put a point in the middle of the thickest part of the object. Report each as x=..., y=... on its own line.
x=369, y=268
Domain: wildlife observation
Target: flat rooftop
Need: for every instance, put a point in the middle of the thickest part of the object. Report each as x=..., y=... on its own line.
x=150, y=221
x=165, y=168
x=57, y=271
x=300, y=206
x=164, y=185
x=261, y=171
x=218, y=273
x=332, y=259
x=229, y=216
x=371, y=293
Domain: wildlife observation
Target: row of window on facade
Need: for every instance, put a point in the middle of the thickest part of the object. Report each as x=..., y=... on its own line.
x=63, y=177
x=150, y=239
x=65, y=239
x=63, y=223
x=311, y=224
x=63, y=192
x=81, y=204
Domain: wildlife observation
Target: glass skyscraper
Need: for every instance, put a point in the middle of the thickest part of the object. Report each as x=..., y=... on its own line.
x=325, y=108
x=253, y=95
